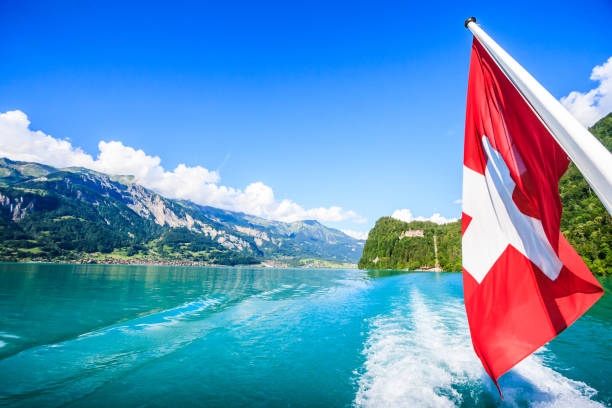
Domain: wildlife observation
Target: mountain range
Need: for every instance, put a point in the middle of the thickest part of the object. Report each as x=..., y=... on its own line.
x=77, y=214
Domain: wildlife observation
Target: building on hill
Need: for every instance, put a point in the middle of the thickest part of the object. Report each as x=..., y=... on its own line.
x=412, y=233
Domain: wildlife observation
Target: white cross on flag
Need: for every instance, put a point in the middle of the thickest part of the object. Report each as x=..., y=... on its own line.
x=523, y=282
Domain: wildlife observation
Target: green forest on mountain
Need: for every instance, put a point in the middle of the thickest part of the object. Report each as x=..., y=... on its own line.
x=384, y=248
x=585, y=223
x=80, y=215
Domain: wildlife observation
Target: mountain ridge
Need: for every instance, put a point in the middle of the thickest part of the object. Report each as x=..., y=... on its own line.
x=74, y=213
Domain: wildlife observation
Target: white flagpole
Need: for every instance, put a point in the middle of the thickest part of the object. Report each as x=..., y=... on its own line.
x=590, y=156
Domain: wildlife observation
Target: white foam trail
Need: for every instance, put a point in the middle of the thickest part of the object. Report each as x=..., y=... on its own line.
x=6, y=335
x=158, y=319
x=421, y=355
x=541, y=386
x=269, y=293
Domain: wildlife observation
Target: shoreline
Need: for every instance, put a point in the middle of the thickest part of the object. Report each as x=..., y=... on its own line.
x=115, y=262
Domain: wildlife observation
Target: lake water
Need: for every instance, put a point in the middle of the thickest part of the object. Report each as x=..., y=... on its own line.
x=101, y=336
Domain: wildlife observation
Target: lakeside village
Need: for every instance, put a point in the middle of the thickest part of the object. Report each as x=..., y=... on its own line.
x=184, y=262
x=270, y=263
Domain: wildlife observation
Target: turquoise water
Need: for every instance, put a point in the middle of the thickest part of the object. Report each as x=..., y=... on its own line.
x=99, y=336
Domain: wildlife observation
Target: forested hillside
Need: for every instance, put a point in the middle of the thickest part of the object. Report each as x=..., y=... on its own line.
x=76, y=214
x=386, y=248
x=585, y=223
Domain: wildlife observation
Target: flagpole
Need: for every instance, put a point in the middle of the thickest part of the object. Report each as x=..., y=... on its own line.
x=590, y=156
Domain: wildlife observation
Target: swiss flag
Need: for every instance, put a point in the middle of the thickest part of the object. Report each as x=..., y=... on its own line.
x=523, y=283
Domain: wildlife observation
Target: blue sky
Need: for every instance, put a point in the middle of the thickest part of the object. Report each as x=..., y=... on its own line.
x=354, y=105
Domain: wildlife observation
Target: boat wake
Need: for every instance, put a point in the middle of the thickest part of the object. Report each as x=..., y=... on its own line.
x=421, y=355
x=59, y=373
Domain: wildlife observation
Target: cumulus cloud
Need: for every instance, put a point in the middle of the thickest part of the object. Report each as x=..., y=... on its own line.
x=589, y=107
x=195, y=183
x=406, y=215
x=356, y=234
x=18, y=142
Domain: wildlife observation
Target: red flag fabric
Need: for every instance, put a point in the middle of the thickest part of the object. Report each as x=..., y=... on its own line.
x=523, y=283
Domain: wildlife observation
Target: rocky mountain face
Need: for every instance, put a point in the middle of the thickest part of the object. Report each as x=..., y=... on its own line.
x=74, y=213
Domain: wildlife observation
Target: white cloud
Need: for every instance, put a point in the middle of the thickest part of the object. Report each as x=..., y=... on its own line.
x=438, y=219
x=406, y=215
x=18, y=142
x=458, y=201
x=356, y=234
x=196, y=183
x=593, y=105
x=403, y=215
